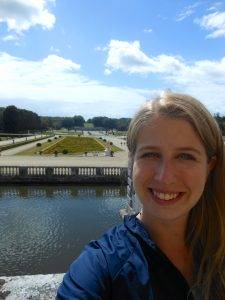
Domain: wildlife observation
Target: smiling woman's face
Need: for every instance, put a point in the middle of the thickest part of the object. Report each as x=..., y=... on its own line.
x=170, y=168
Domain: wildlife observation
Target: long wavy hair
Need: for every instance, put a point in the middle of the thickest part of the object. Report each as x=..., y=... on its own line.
x=205, y=232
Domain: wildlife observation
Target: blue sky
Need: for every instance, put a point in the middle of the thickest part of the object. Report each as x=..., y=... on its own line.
x=94, y=57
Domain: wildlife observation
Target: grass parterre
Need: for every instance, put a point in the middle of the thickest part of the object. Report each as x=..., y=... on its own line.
x=75, y=145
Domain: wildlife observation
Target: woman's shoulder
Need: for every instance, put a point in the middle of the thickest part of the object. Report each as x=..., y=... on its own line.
x=105, y=260
x=116, y=246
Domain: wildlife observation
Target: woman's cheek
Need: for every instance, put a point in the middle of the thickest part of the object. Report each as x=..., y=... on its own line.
x=140, y=173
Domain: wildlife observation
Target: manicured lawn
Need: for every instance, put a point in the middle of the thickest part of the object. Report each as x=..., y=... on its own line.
x=75, y=145
x=35, y=150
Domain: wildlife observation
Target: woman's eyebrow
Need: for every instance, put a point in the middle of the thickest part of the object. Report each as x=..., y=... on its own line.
x=149, y=147
x=190, y=149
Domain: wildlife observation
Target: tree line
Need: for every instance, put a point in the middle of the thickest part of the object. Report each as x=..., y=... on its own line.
x=221, y=122
x=15, y=120
x=110, y=123
x=78, y=121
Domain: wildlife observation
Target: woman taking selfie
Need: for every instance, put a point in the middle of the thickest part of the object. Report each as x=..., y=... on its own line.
x=174, y=248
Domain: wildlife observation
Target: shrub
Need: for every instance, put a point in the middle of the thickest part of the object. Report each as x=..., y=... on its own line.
x=49, y=140
x=65, y=151
x=104, y=140
x=55, y=137
x=111, y=143
x=38, y=144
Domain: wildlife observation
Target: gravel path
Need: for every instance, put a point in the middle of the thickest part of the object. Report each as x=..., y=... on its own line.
x=16, y=140
x=18, y=149
x=119, y=160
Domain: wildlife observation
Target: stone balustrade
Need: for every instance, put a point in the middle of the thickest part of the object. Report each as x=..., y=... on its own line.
x=42, y=174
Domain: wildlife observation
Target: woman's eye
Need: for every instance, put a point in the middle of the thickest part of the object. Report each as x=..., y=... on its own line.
x=186, y=156
x=150, y=155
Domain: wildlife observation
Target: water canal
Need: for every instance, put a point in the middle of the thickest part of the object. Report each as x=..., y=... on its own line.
x=44, y=227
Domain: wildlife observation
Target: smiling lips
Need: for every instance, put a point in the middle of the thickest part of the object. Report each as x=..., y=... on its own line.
x=165, y=197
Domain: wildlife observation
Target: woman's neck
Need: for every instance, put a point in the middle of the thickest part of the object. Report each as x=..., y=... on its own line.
x=164, y=231
x=169, y=236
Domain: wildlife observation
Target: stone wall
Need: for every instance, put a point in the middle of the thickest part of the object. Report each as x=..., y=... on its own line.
x=35, y=287
x=31, y=174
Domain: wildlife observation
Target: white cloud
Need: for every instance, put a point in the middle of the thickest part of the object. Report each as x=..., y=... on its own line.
x=20, y=15
x=187, y=12
x=107, y=72
x=214, y=22
x=215, y=6
x=54, y=50
x=54, y=86
x=10, y=37
x=204, y=78
x=211, y=8
x=148, y=30
x=101, y=49
x=128, y=57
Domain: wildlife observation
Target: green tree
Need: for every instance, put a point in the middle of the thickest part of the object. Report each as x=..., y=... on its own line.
x=46, y=123
x=1, y=118
x=78, y=121
x=11, y=119
x=57, y=122
x=68, y=123
x=122, y=124
x=221, y=122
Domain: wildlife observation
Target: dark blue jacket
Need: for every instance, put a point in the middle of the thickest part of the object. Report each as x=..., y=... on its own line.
x=123, y=264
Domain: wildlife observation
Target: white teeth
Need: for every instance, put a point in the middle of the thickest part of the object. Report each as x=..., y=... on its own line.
x=164, y=196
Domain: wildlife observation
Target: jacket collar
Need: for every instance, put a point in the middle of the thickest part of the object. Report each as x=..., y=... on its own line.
x=137, y=227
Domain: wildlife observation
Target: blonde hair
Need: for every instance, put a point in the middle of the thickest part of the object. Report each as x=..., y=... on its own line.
x=205, y=232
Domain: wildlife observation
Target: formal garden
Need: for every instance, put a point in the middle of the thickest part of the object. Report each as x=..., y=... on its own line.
x=64, y=145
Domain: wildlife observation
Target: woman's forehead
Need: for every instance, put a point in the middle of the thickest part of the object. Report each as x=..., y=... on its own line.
x=163, y=130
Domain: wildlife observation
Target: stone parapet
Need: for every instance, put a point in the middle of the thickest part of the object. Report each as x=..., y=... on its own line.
x=35, y=287
x=60, y=174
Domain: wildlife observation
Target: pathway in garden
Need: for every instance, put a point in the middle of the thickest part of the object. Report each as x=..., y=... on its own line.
x=18, y=149
x=16, y=140
x=119, y=160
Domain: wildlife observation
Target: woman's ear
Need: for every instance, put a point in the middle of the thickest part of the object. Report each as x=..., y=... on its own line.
x=212, y=163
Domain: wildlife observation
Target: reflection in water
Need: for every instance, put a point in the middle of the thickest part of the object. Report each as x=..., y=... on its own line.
x=47, y=231
x=66, y=190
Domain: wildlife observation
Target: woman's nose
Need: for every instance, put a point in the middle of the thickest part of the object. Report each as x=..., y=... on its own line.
x=165, y=172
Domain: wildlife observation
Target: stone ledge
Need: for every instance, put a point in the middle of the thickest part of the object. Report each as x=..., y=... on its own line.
x=35, y=287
